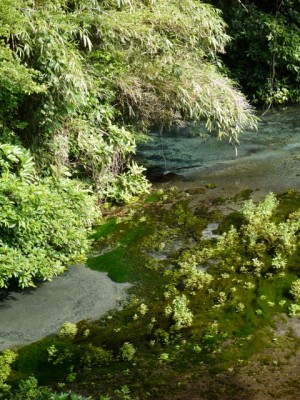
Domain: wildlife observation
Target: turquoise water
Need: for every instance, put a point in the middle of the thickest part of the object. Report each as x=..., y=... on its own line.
x=185, y=149
x=266, y=160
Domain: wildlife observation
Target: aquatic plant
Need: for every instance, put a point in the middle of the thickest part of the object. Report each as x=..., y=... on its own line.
x=295, y=290
x=205, y=302
x=68, y=329
x=127, y=351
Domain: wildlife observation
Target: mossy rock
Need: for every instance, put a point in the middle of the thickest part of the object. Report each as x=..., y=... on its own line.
x=243, y=195
x=195, y=190
x=235, y=219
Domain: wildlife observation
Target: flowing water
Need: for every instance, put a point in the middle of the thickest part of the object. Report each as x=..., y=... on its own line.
x=265, y=160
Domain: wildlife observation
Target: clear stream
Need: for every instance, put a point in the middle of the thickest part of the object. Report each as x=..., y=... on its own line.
x=266, y=160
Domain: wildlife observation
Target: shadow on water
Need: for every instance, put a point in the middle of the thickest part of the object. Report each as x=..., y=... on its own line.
x=159, y=175
x=191, y=147
x=14, y=289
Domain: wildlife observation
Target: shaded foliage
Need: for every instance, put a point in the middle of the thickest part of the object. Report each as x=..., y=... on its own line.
x=264, y=53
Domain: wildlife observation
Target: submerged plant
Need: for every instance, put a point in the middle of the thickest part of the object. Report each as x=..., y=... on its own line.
x=204, y=301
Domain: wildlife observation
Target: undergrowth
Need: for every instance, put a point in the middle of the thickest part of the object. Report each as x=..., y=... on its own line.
x=194, y=304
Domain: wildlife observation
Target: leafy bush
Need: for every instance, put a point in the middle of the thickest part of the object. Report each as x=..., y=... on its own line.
x=43, y=224
x=6, y=359
x=29, y=390
x=125, y=186
x=80, y=80
x=15, y=160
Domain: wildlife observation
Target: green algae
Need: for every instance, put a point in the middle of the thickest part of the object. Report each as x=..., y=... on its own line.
x=242, y=195
x=120, y=262
x=235, y=219
x=115, y=263
x=104, y=230
x=289, y=202
x=221, y=335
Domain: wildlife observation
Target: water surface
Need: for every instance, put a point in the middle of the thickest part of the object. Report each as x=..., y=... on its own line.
x=265, y=160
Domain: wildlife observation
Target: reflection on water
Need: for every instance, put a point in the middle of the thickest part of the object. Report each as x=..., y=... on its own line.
x=183, y=152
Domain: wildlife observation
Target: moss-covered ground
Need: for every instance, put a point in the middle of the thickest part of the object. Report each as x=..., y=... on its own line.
x=197, y=307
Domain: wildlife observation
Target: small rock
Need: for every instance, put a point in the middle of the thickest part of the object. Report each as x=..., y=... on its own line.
x=195, y=190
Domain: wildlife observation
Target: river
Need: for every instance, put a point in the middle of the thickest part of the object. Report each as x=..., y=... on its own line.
x=265, y=160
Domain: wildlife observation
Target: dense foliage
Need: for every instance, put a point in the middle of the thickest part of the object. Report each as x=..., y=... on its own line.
x=264, y=55
x=79, y=82
x=44, y=223
x=80, y=79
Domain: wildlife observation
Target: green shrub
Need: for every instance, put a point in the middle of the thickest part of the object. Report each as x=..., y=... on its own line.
x=125, y=186
x=6, y=359
x=44, y=223
x=295, y=290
